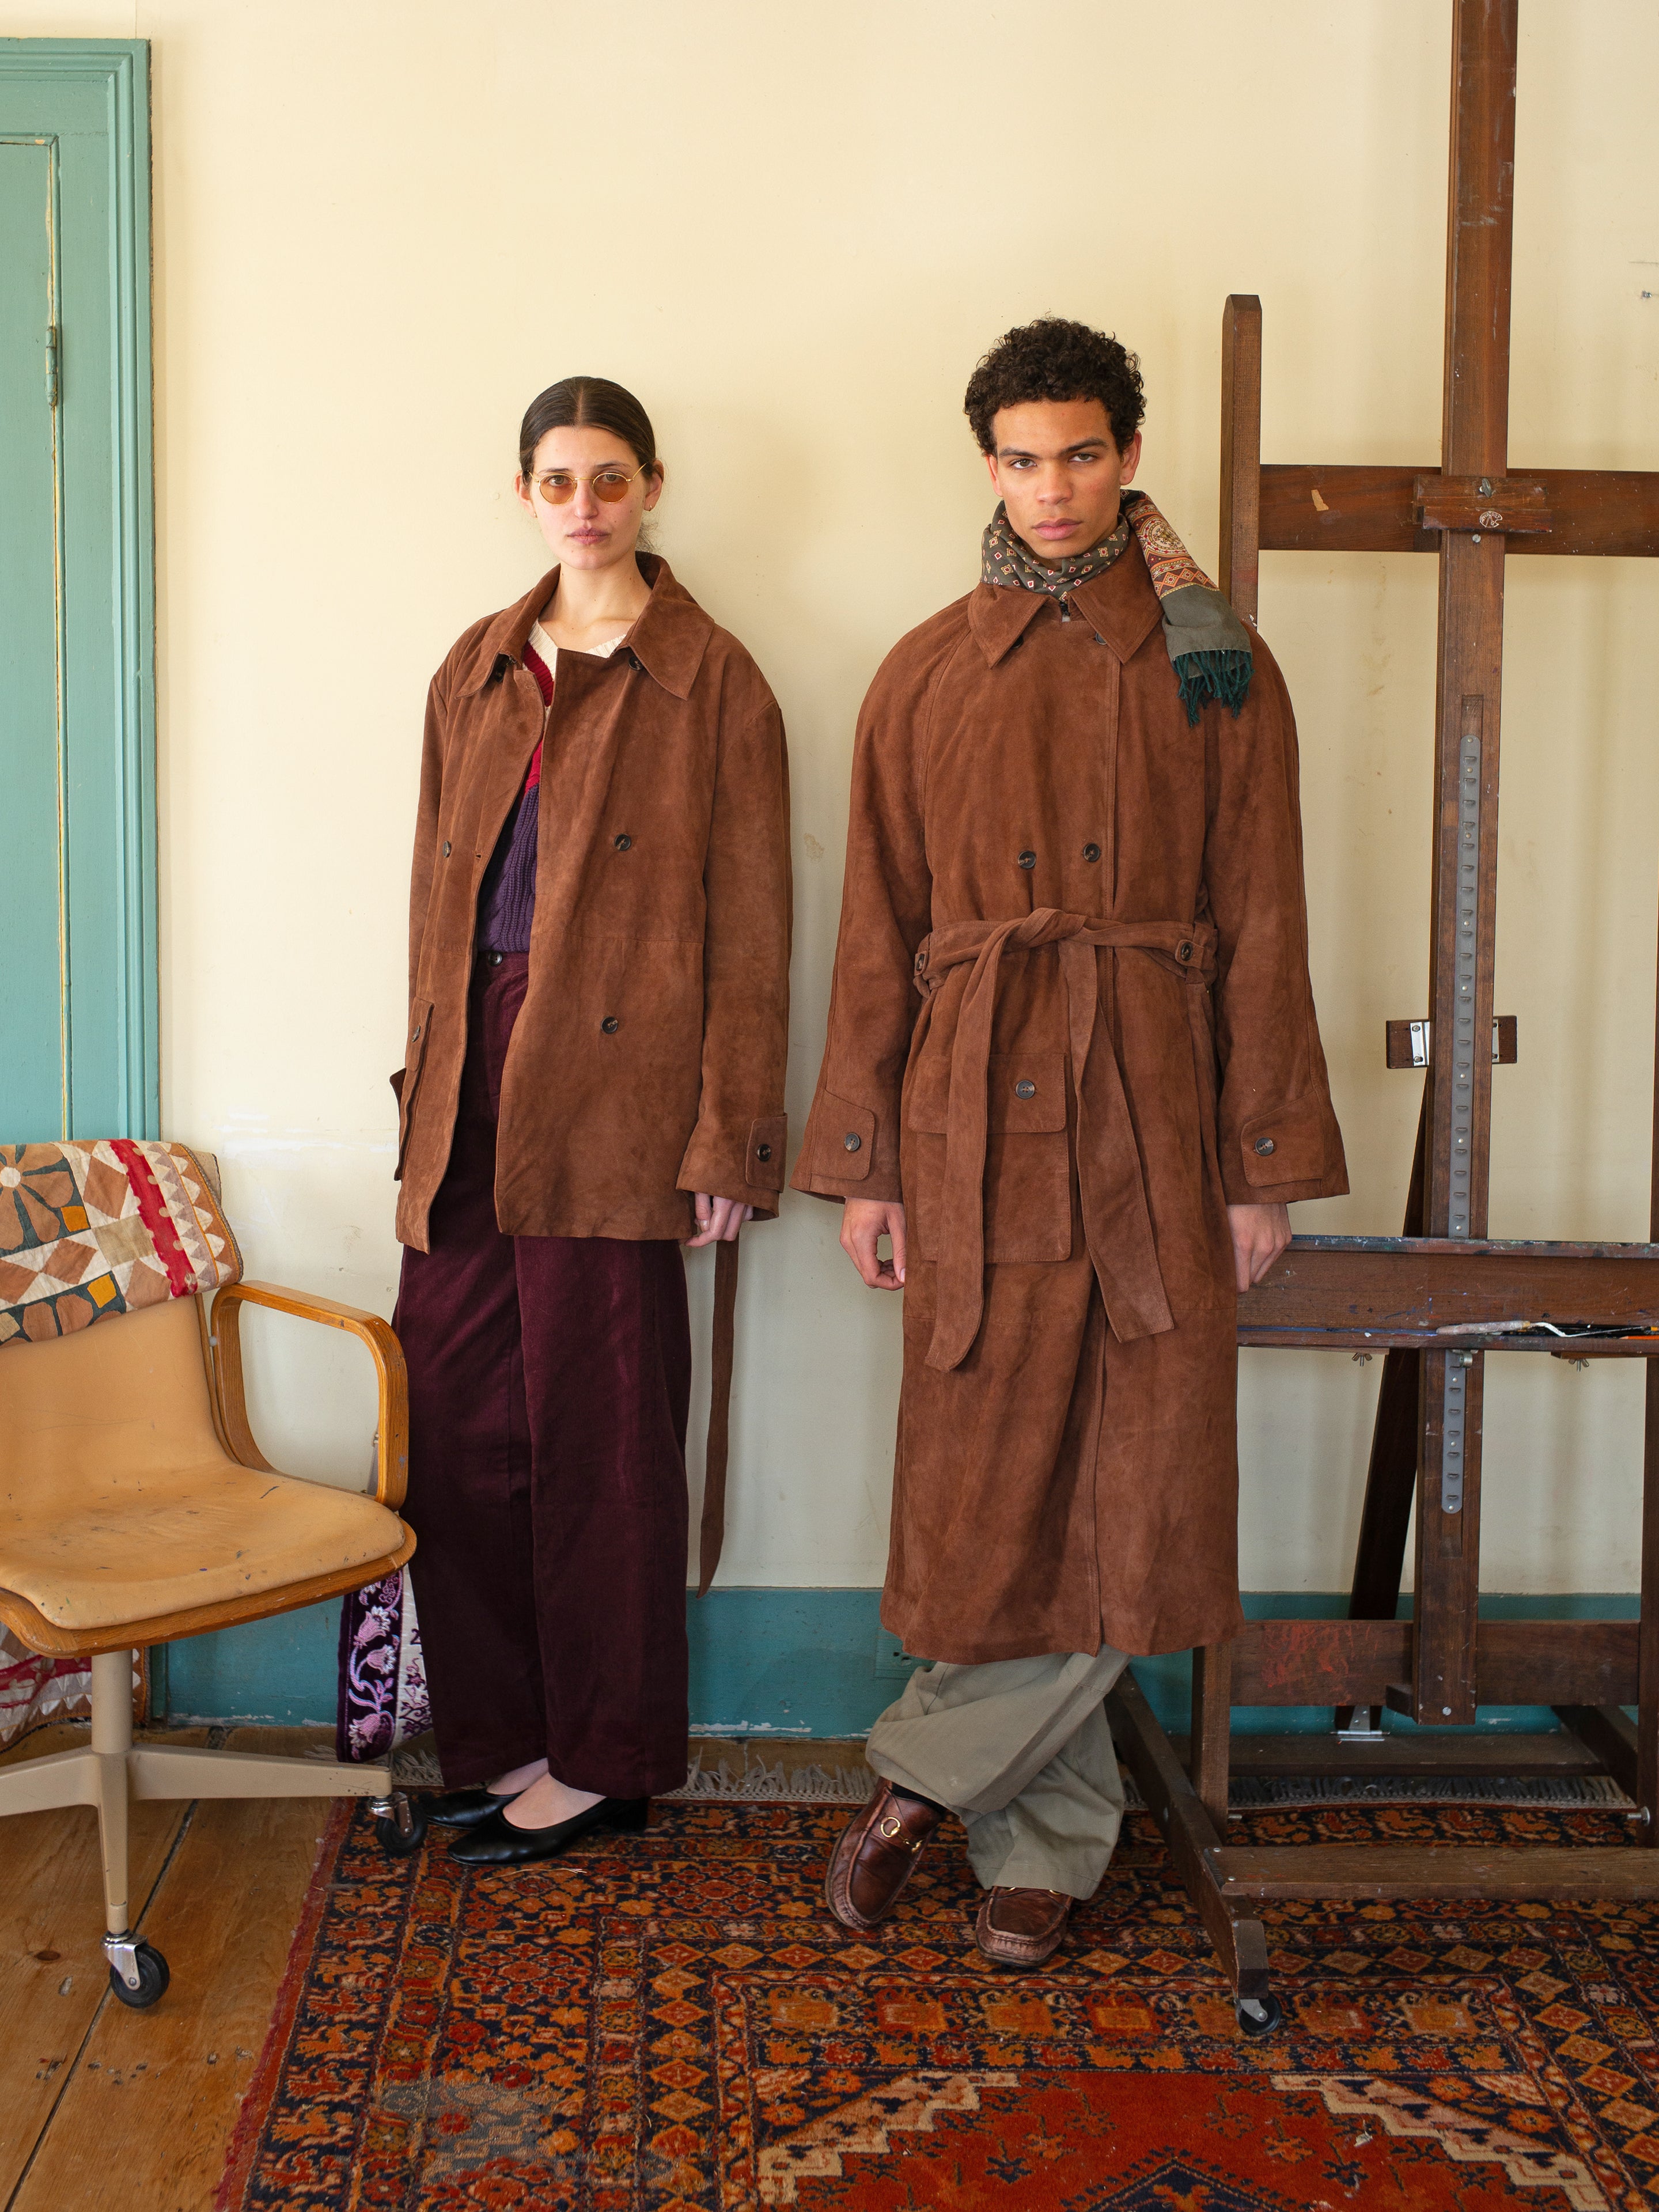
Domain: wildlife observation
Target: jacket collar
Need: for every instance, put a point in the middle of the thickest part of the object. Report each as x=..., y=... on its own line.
x=668, y=641
x=1121, y=606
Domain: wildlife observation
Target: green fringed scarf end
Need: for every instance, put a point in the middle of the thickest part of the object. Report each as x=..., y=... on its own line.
x=1209, y=647
x=1204, y=676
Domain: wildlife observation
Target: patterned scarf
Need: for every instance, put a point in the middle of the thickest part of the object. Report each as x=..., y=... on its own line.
x=1209, y=647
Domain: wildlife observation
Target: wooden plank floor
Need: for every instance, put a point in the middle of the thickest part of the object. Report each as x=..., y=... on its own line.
x=106, y=2110
x=101, y=2107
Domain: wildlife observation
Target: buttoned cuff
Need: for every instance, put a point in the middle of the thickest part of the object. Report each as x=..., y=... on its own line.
x=1282, y=1155
x=841, y=1157
x=744, y=1162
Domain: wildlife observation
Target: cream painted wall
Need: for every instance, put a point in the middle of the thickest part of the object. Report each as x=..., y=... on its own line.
x=380, y=228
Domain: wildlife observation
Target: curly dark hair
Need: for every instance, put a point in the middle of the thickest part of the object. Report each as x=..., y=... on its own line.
x=1055, y=359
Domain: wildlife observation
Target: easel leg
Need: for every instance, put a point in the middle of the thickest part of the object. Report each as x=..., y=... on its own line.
x=1212, y=1722
x=1646, y=1824
x=1448, y=1583
x=1647, y=1724
x=1190, y=1834
x=1391, y=1479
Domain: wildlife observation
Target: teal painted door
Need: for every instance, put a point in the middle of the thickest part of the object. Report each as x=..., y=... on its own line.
x=77, y=796
x=33, y=1056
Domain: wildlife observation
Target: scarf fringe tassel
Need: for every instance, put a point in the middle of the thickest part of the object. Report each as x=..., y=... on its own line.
x=1224, y=676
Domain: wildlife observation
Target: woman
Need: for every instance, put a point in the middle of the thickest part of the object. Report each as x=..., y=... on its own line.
x=599, y=986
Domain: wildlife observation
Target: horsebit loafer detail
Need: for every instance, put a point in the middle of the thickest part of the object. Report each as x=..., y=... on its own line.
x=1021, y=1927
x=497, y=1842
x=460, y=1808
x=875, y=1855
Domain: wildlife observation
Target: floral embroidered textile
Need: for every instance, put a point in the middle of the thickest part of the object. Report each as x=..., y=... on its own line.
x=383, y=1696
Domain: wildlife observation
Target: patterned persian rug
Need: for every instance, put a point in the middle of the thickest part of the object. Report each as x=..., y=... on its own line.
x=659, y=2022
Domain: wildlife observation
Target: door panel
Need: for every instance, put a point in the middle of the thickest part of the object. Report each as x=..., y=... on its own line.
x=34, y=1005
x=78, y=1011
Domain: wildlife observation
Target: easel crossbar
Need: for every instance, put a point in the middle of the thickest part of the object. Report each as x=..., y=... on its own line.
x=1361, y=1292
x=1311, y=508
x=1356, y=1663
x=1359, y=1872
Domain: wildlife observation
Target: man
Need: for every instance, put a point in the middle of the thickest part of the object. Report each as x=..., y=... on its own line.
x=1073, y=1074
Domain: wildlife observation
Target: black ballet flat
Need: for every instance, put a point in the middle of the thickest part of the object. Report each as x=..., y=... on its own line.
x=497, y=1842
x=461, y=1808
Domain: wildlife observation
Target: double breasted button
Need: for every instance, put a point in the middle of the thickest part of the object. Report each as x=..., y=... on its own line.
x=611, y=1025
x=762, y=1152
x=446, y=848
x=852, y=1141
x=1265, y=1145
x=1092, y=853
x=1027, y=859
x=1026, y=1090
x=622, y=842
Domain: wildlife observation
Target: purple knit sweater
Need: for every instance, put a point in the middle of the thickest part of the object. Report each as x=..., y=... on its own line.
x=507, y=896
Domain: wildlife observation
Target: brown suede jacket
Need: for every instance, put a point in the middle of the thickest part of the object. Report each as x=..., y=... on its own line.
x=1071, y=1024
x=648, y=1061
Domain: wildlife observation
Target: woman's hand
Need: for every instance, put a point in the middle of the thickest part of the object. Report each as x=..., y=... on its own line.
x=864, y=1220
x=1260, y=1234
x=718, y=1220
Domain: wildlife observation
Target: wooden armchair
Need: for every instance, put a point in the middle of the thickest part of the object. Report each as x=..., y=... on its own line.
x=135, y=1507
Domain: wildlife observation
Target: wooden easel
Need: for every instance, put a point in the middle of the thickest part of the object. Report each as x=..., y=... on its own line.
x=1401, y=1295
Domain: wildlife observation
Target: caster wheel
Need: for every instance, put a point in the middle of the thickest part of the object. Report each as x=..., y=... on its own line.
x=153, y=1978
x=1259, y=2015
x=400, y=1843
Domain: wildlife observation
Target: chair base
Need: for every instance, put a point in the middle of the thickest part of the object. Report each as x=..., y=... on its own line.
x=113, y=1772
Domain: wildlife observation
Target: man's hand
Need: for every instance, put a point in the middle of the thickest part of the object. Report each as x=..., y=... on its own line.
x=1260, y=1234
x=863, y=1220
x=718, y=1220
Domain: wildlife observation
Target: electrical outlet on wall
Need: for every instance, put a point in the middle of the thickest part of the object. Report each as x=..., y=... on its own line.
x=893, y=1662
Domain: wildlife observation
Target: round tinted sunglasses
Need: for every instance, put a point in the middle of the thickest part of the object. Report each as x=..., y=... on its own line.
x=558, y=486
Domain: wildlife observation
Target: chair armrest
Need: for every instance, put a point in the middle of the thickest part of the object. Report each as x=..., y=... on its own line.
x=225, y=1340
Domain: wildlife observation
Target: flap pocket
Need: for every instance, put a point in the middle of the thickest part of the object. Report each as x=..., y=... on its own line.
x=1024, y=1091
x=846, y=1140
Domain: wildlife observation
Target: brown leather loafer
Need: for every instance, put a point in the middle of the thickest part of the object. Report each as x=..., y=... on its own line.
x=1021, y=1928
x=875, y=1855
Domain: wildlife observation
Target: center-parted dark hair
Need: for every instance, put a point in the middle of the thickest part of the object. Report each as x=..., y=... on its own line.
x=1055, y=359
x=588, y=402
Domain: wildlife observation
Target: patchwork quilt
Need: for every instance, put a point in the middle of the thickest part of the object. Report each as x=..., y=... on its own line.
x=90, y=1230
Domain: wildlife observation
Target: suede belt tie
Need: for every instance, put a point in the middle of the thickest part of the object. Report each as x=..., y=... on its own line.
x=711, y=1536
x=1117, y=1221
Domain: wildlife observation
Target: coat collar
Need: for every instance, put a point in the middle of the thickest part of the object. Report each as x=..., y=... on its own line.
x=668, y=641
x=1120, y=604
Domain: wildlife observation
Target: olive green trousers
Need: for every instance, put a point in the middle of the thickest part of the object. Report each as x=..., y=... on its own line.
x=1021, y=1751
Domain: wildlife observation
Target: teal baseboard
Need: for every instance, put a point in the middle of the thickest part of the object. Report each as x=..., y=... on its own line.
x=784, y=1663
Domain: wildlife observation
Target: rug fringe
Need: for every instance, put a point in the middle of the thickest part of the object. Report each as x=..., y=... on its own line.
x=760, y=1785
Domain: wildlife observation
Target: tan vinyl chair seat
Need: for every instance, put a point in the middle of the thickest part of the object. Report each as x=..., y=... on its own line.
x=118, y=1501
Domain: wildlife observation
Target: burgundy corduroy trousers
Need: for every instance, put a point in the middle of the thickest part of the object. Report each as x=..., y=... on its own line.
x=549, y=1382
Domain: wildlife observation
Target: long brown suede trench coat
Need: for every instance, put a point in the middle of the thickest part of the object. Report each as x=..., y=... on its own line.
x=647, y=1060
x=1071, y=1024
